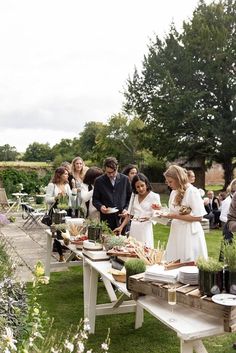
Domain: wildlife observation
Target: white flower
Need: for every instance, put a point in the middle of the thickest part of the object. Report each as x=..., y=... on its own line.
x=80, y=347
x=10, y=341
x=68, y=345
x=54, y=350
x=104, y=346
x=84, y=335
x=7, y=350
x=87, y=327
x=90, y=351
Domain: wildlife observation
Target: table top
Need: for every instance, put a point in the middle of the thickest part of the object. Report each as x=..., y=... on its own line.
x=19, y=194
x=103, y=267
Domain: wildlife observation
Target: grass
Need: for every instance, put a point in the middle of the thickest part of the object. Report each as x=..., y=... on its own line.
x=63, y=299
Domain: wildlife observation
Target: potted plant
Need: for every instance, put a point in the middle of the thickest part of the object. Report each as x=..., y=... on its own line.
x=210, y=276
x=133, y=267
x=94, y=230
x=230, y=266
x=62, y=229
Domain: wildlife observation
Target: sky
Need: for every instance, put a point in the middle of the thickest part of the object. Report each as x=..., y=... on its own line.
x=64, y=63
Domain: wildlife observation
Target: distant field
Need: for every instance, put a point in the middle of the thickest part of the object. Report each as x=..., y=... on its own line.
x=24, y=164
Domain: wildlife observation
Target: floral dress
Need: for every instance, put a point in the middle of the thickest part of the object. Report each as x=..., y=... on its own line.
x=186, y=239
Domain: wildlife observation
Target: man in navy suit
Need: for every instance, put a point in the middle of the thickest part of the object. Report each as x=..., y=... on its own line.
x=112, y=189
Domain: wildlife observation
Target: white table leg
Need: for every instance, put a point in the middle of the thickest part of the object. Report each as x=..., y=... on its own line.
x=86, y=287
x=138, y=316
x=186, y=347
x=48, y=255
x=199, y=347
x=109, y=289
x=93, y=299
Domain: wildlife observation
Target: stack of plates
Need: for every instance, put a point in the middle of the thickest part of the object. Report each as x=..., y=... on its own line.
x=159, y=274
x=188, y=275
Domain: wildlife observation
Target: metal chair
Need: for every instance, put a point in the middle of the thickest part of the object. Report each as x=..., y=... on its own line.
x=31, y=216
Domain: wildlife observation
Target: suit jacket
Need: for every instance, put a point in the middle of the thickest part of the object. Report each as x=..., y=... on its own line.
x=111, y=196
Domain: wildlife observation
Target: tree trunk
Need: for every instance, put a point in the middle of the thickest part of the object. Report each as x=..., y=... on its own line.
x=228, y=171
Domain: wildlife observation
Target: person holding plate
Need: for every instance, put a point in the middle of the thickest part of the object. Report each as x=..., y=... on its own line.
x=186, y=239
x=111, y=193
x=141, y=210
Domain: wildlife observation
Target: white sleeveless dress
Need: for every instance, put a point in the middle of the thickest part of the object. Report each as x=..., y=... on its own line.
x=187, y=239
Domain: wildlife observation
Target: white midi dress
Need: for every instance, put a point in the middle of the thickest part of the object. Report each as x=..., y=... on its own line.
x=142, y=231
x=186, y=239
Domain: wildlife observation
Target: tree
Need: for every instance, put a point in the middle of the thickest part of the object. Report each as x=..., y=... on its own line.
x=38, y=152
x=8, y=153
x=65, y=150
x=87, y=140
x=119, y=138
x=185, y=93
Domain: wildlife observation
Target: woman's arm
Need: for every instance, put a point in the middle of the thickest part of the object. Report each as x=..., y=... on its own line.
x=50, y=193
x=123, y=224
x=186, y=217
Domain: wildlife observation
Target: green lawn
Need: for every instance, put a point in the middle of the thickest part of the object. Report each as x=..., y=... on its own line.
x=63, y=299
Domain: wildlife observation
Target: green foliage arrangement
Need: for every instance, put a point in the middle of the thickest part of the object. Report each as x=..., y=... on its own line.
x=209, y=265
x=32, y=182
x=230, y=255
x=114, y=240
x=134, y=266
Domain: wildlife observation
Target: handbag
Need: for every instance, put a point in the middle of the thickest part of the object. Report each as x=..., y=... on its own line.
x=48, y=217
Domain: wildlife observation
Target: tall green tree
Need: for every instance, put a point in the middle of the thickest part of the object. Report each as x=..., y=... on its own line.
x=185, y=93
x=38, y=152
x=87, y=140
x=8, y=153
x=120, y=137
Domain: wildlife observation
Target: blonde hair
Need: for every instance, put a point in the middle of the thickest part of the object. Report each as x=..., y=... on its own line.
x=231, y=187
x=83, y=170
x=179, y=174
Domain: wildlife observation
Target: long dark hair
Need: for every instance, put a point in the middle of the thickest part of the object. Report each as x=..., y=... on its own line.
x=58, y=174
x=91, y=174
x=142, y=177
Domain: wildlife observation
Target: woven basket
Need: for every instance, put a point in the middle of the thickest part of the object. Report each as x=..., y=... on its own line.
x=120, y=278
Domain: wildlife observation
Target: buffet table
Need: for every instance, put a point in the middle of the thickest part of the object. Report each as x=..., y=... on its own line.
x=49, y=265
x=191, y=324
x=93, y=269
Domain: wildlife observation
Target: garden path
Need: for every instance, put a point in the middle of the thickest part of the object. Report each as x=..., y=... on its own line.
x=26, y=247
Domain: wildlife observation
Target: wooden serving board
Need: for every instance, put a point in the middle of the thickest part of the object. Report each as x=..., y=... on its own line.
x=186, y=295
x=121, y=254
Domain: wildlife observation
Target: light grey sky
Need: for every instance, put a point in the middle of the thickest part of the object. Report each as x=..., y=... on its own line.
x=65, y=62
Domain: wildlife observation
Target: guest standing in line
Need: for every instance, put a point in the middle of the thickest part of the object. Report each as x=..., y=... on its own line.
x=78, y=170
x=87, y=193
x=186, y=239
x=130, y=170
x=57, y=188
x=111, y=190
x=141, y=210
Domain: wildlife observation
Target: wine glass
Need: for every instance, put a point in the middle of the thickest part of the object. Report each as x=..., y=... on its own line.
x=172, y=299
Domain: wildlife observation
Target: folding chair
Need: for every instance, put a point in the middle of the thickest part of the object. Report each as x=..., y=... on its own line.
x=5, y=204
x=31, y=216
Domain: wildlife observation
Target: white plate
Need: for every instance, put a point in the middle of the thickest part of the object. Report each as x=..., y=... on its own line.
x=189, y=269
x=112, y=210
x=224, y=299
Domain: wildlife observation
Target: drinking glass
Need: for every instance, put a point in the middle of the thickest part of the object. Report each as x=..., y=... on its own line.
x=172, y=299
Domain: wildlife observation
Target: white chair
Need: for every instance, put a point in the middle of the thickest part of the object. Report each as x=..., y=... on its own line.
x=31, y=216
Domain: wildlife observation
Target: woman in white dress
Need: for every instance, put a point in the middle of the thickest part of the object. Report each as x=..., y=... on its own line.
x=186, y=239
x=140, y=211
